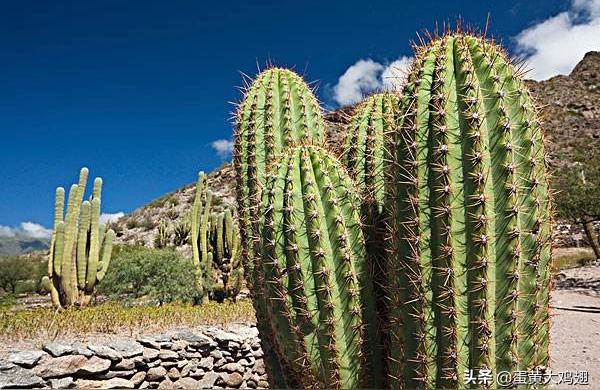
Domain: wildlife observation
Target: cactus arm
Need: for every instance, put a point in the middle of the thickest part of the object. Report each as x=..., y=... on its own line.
x=105, y=254
x=220, y=239
x=196, y=218
x=82, y=243
x=59, y=205
x=95, y=241
x=205, y=227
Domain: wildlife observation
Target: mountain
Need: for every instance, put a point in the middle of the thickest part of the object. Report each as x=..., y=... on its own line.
x=17, y=245
x=570, y=108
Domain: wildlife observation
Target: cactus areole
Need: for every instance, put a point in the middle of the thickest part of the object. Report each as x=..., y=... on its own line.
x=321, y=304
x=470, y=227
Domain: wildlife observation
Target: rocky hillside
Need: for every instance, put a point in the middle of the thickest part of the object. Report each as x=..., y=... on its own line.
x=570, y=107
x=18, y=245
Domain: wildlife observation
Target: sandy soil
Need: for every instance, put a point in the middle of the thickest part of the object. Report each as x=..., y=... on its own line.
x=575, y=342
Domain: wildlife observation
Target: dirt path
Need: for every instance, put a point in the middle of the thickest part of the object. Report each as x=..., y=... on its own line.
x=575, y=342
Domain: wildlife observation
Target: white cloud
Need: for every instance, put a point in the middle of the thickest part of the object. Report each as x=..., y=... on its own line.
x=557, y=44
x=26, y=230
x=223, y=147
x=7, y=231
x=366, y=76
x=112, y=217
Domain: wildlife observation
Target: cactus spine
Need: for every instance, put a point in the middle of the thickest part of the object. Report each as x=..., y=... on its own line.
x=469, y=264
x=278, y=110
x=321, y=303
x=80, y=250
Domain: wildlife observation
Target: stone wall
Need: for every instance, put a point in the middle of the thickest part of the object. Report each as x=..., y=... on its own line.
x=209, y=357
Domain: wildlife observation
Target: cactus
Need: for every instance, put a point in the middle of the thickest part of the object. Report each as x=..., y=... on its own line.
x=80, y=248
x=364, y=157
x=182, y=232
x=163, y=236
x=470, y=245
x=320, y=299
x=278, y=110
x=215, y=242
x=364, y=152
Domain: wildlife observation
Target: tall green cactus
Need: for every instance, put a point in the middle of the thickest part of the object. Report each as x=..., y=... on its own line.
x=80, y=249
x=215, y=242
x=470, y=245
x=320, y=298
x=278, y=110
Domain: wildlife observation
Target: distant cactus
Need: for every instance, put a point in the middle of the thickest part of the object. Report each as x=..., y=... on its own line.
x=163, y=236
x=80, y=248
x=182, y=232
x=468, y=269
x=215, y=244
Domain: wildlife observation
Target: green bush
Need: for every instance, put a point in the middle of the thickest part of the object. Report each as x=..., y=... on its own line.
x=22, y=274
x=161, y=276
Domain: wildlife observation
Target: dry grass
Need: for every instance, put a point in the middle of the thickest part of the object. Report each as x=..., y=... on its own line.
x=48, y=324
x=564, y=258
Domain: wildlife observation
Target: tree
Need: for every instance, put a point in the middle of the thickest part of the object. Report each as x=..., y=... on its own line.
x=577, y=188
x=162, y=275
x=14, y=270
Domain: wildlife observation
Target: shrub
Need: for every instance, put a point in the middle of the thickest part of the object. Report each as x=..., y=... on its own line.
x=22, y=274
x=161, y=276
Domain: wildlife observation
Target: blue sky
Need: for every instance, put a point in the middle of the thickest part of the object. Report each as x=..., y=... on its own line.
x=138, y=91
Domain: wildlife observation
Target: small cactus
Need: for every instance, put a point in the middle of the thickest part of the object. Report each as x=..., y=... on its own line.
x=163, y=235
x=312, y=254
x=80, y=248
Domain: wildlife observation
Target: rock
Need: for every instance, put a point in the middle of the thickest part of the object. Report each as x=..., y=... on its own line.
x=223, y=336
x=179, y=345
x=251, y=384
x=19, y=377
x=105, y=352
x=220, y=362
x=232, y=380
x=166, y=354
x=127, y=348
x=208, y=381
x=190, y=355
x=217, y=354
x=26, y=358
x=173, y=373
x=114, y=383
x=182, y=363
x=197, y=373
x=149, y=342
x=168, y=364
x=138, y=377
x=194, y=339
x=80, y=348
x=156, y=373
x=150, y=354
x=167, y=384
x=95, y=365
x=186, y=383
x=60, y=366
x=258, y=353
x=116, y=374
x=207, y=363
x=125, y=364
x=58, y=349
x=5, y=364
x=263, y=384
x=259, y=367
x=185, y=371
x=62, y=383
x=233, y=367
x=247, y=362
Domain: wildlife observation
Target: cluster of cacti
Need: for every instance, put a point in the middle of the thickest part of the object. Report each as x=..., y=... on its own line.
x=163, y=235
x=80, y=248
x=215, y=243
x=448, y=177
